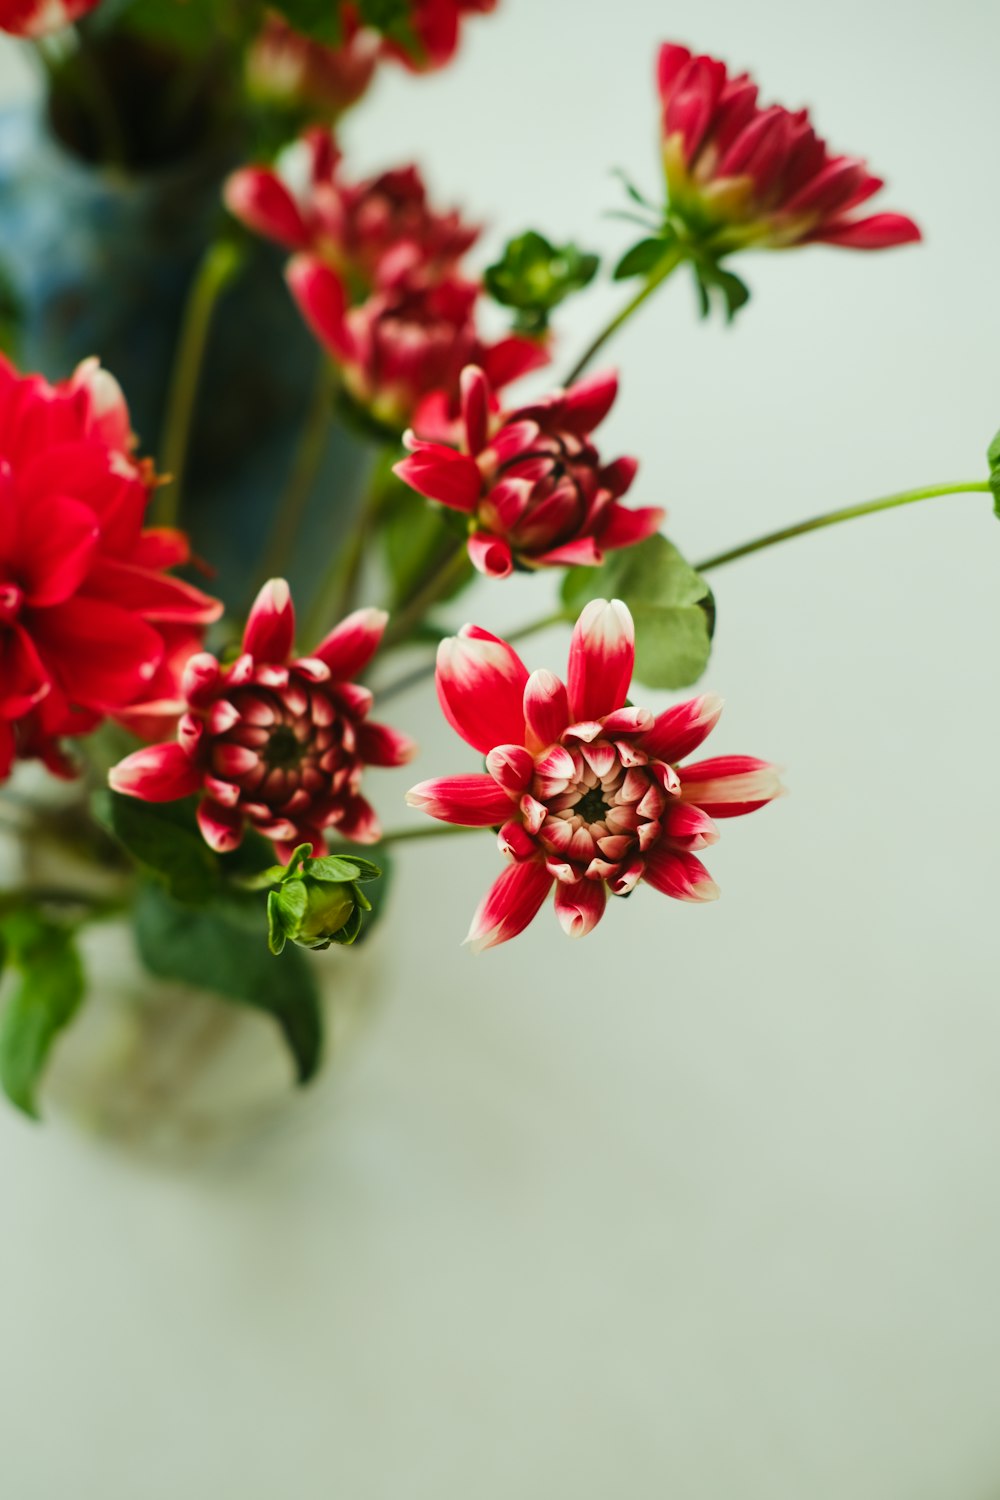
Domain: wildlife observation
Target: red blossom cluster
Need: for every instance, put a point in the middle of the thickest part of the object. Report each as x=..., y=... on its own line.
x=91, y=622
x=377, y=275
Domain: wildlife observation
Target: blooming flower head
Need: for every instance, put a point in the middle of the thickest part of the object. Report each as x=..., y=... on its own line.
x=36, y=18
x=288, y=69
x=91, y=623
x=739, y=174
x=275, y=741
x=435, y=25
x=530, y=481
x=588, y=793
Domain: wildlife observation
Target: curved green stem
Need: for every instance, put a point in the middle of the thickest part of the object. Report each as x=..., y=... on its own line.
x=666, y=267
x=453, y=570
x=219, y=265
x=279, y=548
x=432, y=831
x=335, y=595
x=847, y=513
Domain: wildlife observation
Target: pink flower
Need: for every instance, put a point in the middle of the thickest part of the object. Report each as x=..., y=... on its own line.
x=86, y=602
x=285, y=68
x=435, y=25
x=275, y=741
x=739, y=174
x=531, y=481
x=40, y=17
x=587, y=792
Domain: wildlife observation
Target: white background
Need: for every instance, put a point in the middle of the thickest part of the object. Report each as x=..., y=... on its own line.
x=710, y=1205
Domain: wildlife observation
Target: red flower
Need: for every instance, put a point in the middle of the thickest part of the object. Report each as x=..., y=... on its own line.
x=531, y=481
x=85, y=599
x=377, y=232
x=435, y=25
x=273, y=741
x=587, y=792
x=738, y=174
x=286, y=68
x=40, y=17
x=377, y=279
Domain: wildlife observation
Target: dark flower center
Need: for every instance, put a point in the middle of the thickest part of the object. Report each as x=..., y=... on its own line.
x=592, y=807
x=283, y=749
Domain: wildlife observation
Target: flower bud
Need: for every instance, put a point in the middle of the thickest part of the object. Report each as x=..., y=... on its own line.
x=316, y=902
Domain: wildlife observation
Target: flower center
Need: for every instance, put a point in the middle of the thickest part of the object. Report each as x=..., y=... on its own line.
x=283, y=749
x=592, y=807
x=11, y=599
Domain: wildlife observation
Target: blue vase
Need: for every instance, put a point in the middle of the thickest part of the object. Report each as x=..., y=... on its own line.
x=102, y=263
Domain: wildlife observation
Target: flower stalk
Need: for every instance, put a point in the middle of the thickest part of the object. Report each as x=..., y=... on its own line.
x=671, y=260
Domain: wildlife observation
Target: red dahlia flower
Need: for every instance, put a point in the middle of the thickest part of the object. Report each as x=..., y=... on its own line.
x=587, y=791
x=276, y=741
x=530, y=481
x=435, y=25
x=86, y=604
x=40, y=17
x=376, y=232
x=286, y=68
x=739, y=174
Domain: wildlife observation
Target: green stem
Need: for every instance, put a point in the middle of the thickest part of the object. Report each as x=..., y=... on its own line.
x=219, y=265
x=335, y=595
x=666, y=267
x=848, y=513
x=453, y=570
x=278, y=551
x=432, y=831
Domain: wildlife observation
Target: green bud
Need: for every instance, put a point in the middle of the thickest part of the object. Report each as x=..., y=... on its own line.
x=316, y=902
x=534, y=276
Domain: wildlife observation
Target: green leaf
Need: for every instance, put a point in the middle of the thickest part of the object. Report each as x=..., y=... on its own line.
x=212, y=952
x=534, y=276
x=712, y=281
x=48, y=995
x=672, y=606
x=163, y=837
x=993, y=458
x=335, y=868
x=644, y=257
x=376, y=897
x=416, y=538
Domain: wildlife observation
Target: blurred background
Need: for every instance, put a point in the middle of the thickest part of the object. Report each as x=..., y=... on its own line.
x=709, y=1205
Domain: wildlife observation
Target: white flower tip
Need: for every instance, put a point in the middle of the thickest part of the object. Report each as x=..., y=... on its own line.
x=416, y=796
x=275, y=594
x=705, y=890
x=479, y=942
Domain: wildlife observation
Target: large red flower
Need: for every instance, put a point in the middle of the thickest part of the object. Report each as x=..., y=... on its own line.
x=275, y=741
x=86, y=603
x=530, y=481
x=587, y=792
x=40, y=17
x=739, y=174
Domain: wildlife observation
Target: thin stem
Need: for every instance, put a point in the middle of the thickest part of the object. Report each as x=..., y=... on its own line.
x=453, y=570
x=219, y=265
x=848, y=513
x=432, y=831
x=667, y=265
x=278, y=551
x=337, y=588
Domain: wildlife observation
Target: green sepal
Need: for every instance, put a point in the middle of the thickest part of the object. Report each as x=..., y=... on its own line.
x=993, y=459
x=672, y=605
x=712, y=282
x=533, y=276
x=644, y=257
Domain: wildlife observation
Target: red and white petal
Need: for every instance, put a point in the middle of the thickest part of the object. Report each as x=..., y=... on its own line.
x=441, y=474
x=619, y=475
x=628, y=721
x=490, y=555
x=601, y=657
x=511, y=767
x=476, y=402
x=474, y=801
x=322, y=301
x=221, y=827
x=680, y=875
x=546, y=708
x=158, y=773
x=513, y=901
x=270, y=630
x=515, y=841
x=359, y=821
x=580, y=907
x=730, y=785
x=583, y=552
x=378, y=745
x=261, y=201
x=878, y=232
x=588, y=402
x=351, y=645
x=201, y=679
x=480, y=686
x=689, y=827
x=623, y=526
x=681, y=729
